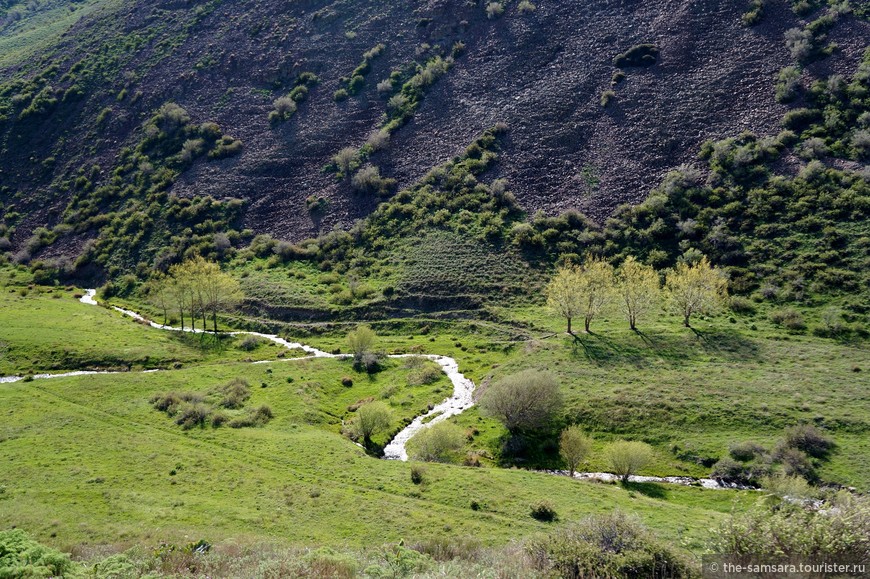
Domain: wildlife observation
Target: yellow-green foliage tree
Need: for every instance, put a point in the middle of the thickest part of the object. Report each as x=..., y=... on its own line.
x=596, y=283
x=574, y=447
x=198, y=286
x=696, y=289
x=562, y=295
x=638, y=288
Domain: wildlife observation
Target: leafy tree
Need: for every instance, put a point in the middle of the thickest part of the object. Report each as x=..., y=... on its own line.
x=527, y=400
x=596, y=287
x=361, y=342
x=370, y=419
x=574, y=447
x=200, y=287
x=638, y=287
x=696, y=289
x=627, y=458
x=438, y=443
x=562, y=295
x=582, y=291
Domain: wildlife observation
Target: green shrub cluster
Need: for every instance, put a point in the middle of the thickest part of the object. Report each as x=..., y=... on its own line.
x=352, y=85
x=638, y=55
x=195, y=410
x=286, y=106
x=798, y=453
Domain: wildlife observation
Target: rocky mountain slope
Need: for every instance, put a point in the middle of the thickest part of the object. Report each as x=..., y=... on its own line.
x=543, y=72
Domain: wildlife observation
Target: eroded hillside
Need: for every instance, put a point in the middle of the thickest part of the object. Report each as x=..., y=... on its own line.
x=543, y=72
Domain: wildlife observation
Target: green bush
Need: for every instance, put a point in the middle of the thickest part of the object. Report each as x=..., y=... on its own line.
x=543, y=511
x=809, y=439
x=21, y=556
x=637, y=56
x=438, y=443
x=613, y=545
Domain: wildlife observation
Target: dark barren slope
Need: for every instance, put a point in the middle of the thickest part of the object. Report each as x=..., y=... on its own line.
x=542, y=73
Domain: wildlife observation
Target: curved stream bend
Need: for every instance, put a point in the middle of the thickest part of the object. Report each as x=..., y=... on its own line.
x=460, y=401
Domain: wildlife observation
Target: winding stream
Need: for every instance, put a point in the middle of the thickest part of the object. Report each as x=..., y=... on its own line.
x=460, y=401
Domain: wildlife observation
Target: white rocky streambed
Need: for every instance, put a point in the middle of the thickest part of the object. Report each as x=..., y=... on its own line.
x=461, y=400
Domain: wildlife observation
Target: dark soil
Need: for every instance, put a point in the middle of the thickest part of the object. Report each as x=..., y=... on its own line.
x=541, y=73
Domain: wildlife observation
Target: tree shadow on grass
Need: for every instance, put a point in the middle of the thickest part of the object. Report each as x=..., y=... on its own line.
x=647, y=489
x=602, y=350
x=727, y=344
x=652, y=348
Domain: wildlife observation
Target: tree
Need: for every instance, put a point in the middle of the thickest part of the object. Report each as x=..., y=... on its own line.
x=527, y=400
x=562, y=295
x=200, y=287
x=438, y=443
x=574, y=447
x=160, y=295
x=595, y=288
x=361, y=342
x=638, y=287
x=696, y=289
x=370, y=419
x=627, y=458
x=218, y=291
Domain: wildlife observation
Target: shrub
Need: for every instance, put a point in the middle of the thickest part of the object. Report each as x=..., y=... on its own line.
x=788, y=84
x=543, y=511
x=527, y=400
x=370, y=419
x=795, y=462
x=347, y=381
x=839, y=532
x=192, y=415
x=729, y=470
x=253, y=418
x=235, y=393
x=612, y=545
x=799, y=43
x=346, y=160
x=438, y=443
x=426, y=375
x=639, y=55
x=21, y=556
x=340, y=95
x=494, y=10
x=525, y=7
x=741, y=305
x=250, y=343
x=368, y=180
x=417, y=473
x=746, y=451
x=755, y=13
x=809, y=439
x=606, y=97
x=787, y=486
x=574, y=447
x=789, y=319
x=325, y=562
x=627, y=458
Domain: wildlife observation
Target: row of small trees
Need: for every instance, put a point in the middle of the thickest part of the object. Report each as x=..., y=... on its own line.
x=195, y=288
x=587, y=291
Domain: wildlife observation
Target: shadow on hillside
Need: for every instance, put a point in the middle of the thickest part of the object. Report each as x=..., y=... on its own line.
x=647, y=489
x=641, y=349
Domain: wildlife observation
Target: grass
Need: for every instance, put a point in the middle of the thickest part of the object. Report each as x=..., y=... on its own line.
x=42, y=29
x=295, y=481
x=48, y=329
